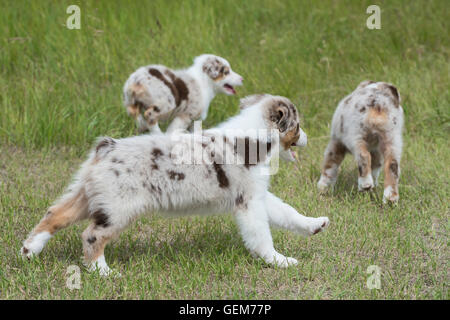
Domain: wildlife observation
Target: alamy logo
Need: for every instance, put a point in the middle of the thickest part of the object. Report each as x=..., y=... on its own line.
x=74, y=20
x=233, y=146
x=374, y=20
x=374, y=280
x=74, y=277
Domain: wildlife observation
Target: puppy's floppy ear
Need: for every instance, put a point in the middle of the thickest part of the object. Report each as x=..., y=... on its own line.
x=365, y=83
x=250, y=100
x=279, y=114
x=393, y=92
x=212, y=67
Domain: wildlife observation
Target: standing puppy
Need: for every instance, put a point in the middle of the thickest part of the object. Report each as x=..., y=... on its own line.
x=125, y=178
x=367, y=123
x=155, y=92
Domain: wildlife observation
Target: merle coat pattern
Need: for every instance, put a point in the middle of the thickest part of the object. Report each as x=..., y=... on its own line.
x=156, y=93
x=125, y=178
x=367, y=123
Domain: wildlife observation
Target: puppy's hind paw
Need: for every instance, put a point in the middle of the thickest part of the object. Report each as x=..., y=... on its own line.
x=102, y=268
x=104, y=271
x=27, y=253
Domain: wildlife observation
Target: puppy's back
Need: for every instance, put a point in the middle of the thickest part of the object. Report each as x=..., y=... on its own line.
x=374, y=107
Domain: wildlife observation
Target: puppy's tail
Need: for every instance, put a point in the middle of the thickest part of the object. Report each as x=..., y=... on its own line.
x=78, y=193
x=377, y=117
x=70, y=208
x=383, y=106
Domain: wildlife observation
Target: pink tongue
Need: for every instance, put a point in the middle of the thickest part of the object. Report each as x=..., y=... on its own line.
x=230, y=88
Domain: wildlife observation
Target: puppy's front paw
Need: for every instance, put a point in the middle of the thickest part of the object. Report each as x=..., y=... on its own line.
x=390, y=195
x=323, y=185
x=283, y=262
x=319, y=224
x=365, y=183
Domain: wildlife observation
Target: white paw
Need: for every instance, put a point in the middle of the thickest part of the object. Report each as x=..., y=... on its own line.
x=283, y=262
x=27, y=253
x=322, y=185
x=102, y=268
x=103, y=271
x=390, y=195
x=365, y=183
x=318, y=224
x=34, y=244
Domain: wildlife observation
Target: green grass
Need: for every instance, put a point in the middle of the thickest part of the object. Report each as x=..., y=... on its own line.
x=60, y=89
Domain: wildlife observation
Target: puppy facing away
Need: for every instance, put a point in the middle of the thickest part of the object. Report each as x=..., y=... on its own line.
x=125, y=178
x=155, y=92
x=367, y=123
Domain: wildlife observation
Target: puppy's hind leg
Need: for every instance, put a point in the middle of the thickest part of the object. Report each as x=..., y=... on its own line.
x=363, y=158
x=253, y=225
x=70, y=209
x=376, y=165
x=391, y=172
x=284, y=216
x=334, y=155
x=95, y=238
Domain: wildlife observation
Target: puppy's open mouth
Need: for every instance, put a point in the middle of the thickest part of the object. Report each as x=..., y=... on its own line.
x=229, y=88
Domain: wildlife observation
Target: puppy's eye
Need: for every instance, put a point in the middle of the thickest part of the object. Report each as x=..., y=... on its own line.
x=222, y=69
x=227, y=71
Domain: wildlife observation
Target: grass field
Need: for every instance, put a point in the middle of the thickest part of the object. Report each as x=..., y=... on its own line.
x=61, y=88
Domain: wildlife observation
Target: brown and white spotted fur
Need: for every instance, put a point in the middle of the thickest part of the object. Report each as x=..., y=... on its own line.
x=155, y=92
x=367, y=123
x=125, y=178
